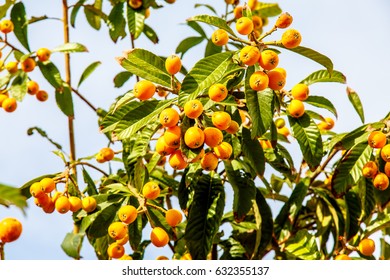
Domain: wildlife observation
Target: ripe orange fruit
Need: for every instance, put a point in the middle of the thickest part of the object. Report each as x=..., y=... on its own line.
x=223, y=151
x=9, y=104
x=62, y=205
x=377, y=139
x=49, y=207
x=123, y=240
x=342, y=257
x=43, y=54
x=144, y=90
x=220, y=37
x=159, y=237
x=162, y=148
x=147, y=13
x=221, y=120
x=284, y=131
x=244, y=25
x=268, y=59
x=328, y=124
x=291, y=38
x=276, y=80
x=117, y=230
x=151, y=190
x=162, y=258
x=198, y=157
x=115, y=250
x=233, y=127
x=281, y=70
x=284, y=20
x=265, y=144
x=2, y=98
x=366, y=246
x=43, y=201
x=75, y=203
x=218, y=92
x=28, y=65
x=385, y=153
x=10, y=230
x=107, y=153
x=300, y=92
x=176, y=160
x=12, y=67
x=238, y=12
x=55, y=196
x=257, y=22
x=172, y=136
x=42, y=95
x=135, y=4
x=194, y=137
x=209, y=161
x=99, y=158
x=173, y=217
x=89, y=204
x=258, y=81
x=127, y=214
x=193, y=108
x=370, y=169
x=212, y=136
x=381, y=181
x=162, y=93
x=249, y=55
x=173, y=64
x=6, y=26
x=169, y=117
x=36, y=189
x=252, y=4
x=296, y=108
x=32, y=87
x=48, y=185
x=387, y=169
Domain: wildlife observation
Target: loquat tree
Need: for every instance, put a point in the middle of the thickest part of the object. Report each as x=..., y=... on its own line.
x=223, y=126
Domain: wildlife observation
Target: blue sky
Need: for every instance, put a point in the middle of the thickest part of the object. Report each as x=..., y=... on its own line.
x=354, y=34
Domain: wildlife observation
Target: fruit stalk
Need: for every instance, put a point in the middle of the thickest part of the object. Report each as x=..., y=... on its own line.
x=2, y=251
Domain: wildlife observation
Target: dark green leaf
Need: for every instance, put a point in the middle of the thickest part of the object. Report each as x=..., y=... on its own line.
x=356, y=102
x=94, y=14
x=51, y=74
x=321, y=102
x=102, y=220
x=187, y=44
x=194, y=25
x=303, y=246
x=72, y=244
x=323, y=76
x=135, y=21
x=65, y=101
x=213, y=20
x=353, y=215
x=121, y=78
x=88, y=71
x=20, y=21
x=117, y=22
x=267, y=223
x=75, y=10
x=150, y=34
x=91, y=187
x=253, y=152
x=211, y=48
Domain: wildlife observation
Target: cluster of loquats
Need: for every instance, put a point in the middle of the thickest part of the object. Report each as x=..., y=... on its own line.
x=378, y=168
x=17, y=68
x=105, y=154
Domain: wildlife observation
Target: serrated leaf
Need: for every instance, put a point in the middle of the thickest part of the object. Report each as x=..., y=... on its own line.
x=94, y=13
x=205, y=215
x=71, y=244
x=356, y=102
x=146, y=65
x=309, y=139
x=353, y=214
x=150, y=34
x=349, y=169
x=18, y=88
x=65, y=101
x=88, y=71
x=12, y=196
x=70, y=48
x=253, y=152
x=322, y=102
x=20, y=21
x=232, y=250
x=323, y=76
x=268, y=9
x=116, y=22
x=187, y=44
x=303, y=246
x=135, y=21
x=213, y=20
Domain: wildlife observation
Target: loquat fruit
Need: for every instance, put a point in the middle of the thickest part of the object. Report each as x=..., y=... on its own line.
x=89, y=204
x=257, y=22
x=221, y=120
x=212, y=136
x=115, y=250
x=10, y=229
x=176, y=160
x=268, y=59
x=377, y=139
x=220, y=37
x=223, y=151
x=135, y=4
x=370, y=169
x=244, y=25
x=42, y=95
x=151, y=190
x=291, y=38
x=276, y=80
x=117, y=230
x=48, y=184
x=328, y=124
x=75, y=203
x=159, y=237
x=284, y=20
x=173, y=64
x=62, y=205
x=296, y=108
x=385, y=152
x=172, y=136
x=144, y=90
x=218, y=92
x=173, y=217
x=366, y=247
x=233, y=127
x=258, y=81
x=6, y=26
x=28, y=65
x=32, y=87
x=249, y=55
x=12, y=67
x=193, y=109
x=209, y=161
x=43, y=54
x=300, y=92
x=169, y=117
x=381, y=181
x=194, y=137
x=127, y=214
x=9, y=104
x=162, y=148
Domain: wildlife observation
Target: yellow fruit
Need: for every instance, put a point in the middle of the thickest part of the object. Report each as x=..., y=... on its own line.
x=194, y=137
x=252, y=4
x=342, y=257
x=265, y=144
x=221, y=120
x=291, y=38
x=279, y=123
x=28, y=65
x=328, y=124
x=300, y=92
x=296, y=108
x=186, y=257
x=281, y=70
x=276, y=80
x=162, y=258
x=366, y=247
x=48, y=185
x=6, y=26
x=117, y=230
x=172, y=137
x=223, y=151
x=12, y=67
x=43, y=54
x=2, y=98
x=126, y=257
x=238, y=11
x=162, y=148
x=75, y=203
x=89, y=204
x=233, y=127
x=144, y=90
x=159, y=237
x=385, y=153
x=9, y=104
x=258, y=81
x=377, y=139
x=220, y=37
x=10, y=230
x=244, y=25
x=381, y=181
x=151, y=190
x=249, y=55
x=268, y=59
x=387, y=169
x=169, y=117
x=36, y=189
x=284, y=131
x=370, y=169
x=62, y=205
x=135, y=4
x=193, y=109
x=173, y=217
x=115, y=250
x=212, y=136
x=147, y=13
x=209, y=161
x=127, y=214
x=257, y=22
x=173, y=64
x=218, y=92
x=123, y=240
x=177, y=161
x=284, y=20
x=32, y=87
x=42, y=201
x=42, y=95
x=49, y=207
x=107, y=153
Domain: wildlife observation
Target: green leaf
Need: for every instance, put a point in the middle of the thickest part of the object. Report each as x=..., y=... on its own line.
x=349, y=169
x=75, y=10
x=20, y=21
x=268, y=9
x=65, y=101
x=267, y=223
x=70, y=48
x=321, y=102
x=232, y=250
x=211, y=48
x=72, y=244
x=18, y=88
x=88, y=71
x=4, y=8
x=5, y=79
x=150, y=34
x=91, y=187
x=135, y=21
x=51, y=74
x=367, y=197
x=204, y=218
x=146, y=65
x=187, y=44
x=196, y=26
x=94, y=14
x=206, y=72
x=206, y=6
x=12, y=196
x=356, y=102
x=303, y=246
x=25, y=188
x=121, y=78
x=253, y=152
x=309, y=139
x=213, y=20
x=323, y=76
x=117, y=23
x=382, y=198
x=378, y=224
x=353, y=214
x=101, y=220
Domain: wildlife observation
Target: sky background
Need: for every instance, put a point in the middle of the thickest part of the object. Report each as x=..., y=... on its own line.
x=354, y=34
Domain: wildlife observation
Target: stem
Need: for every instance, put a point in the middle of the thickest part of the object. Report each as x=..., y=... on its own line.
x=84, y=99
x=322, y=167
x=240, y=40
x=156, y=207
x=267, y=33
x=133, y=46
x=90, y=165
x=2, y=257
